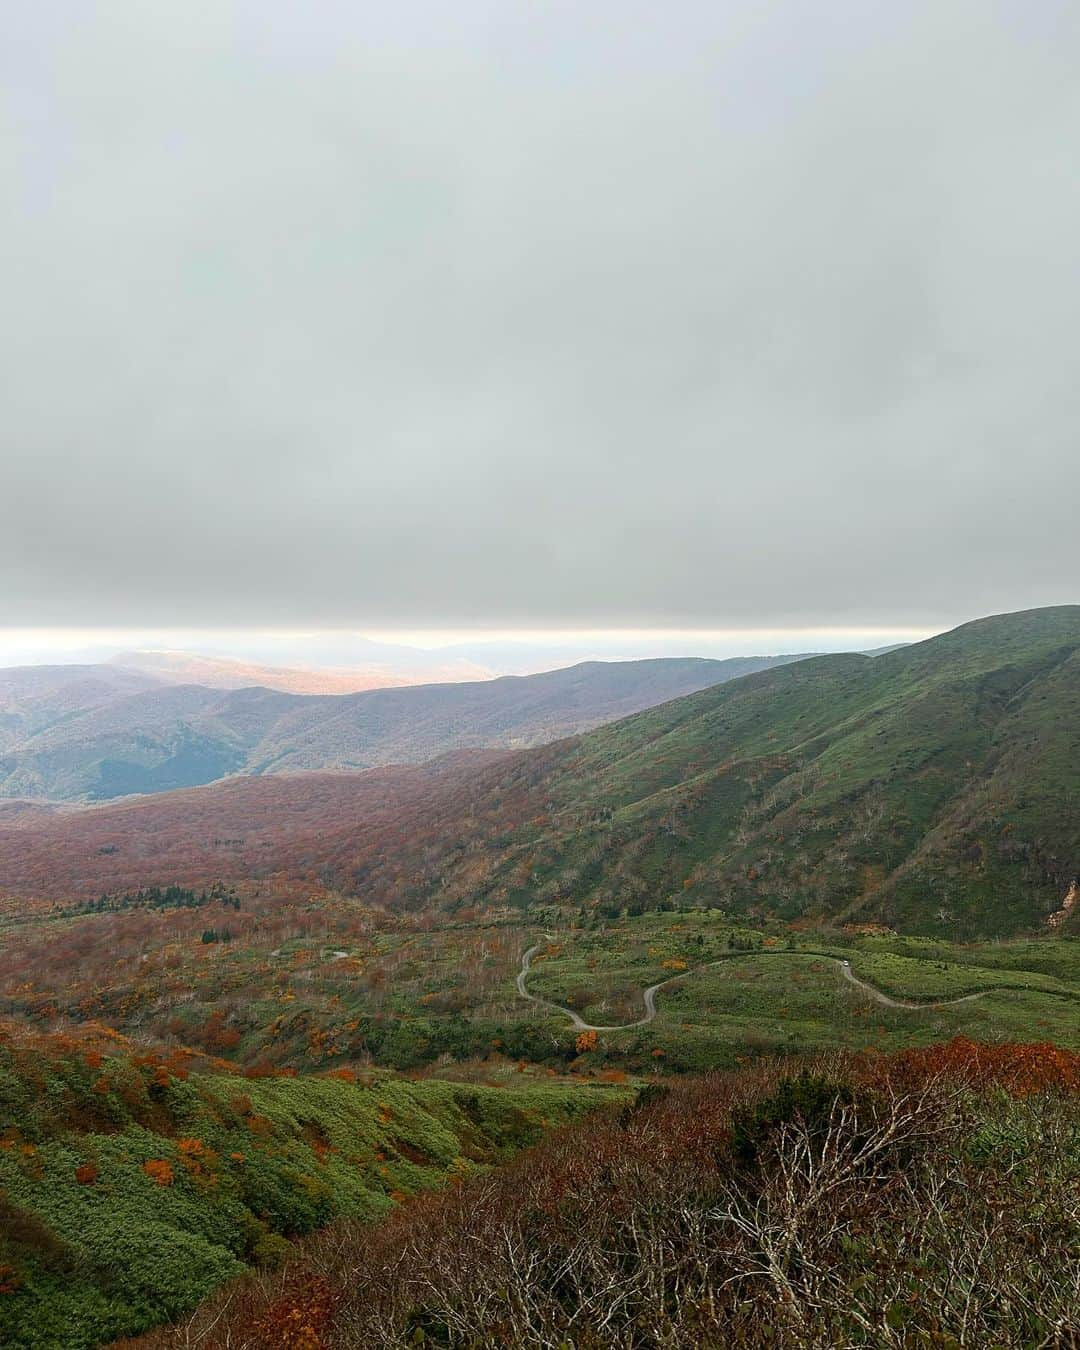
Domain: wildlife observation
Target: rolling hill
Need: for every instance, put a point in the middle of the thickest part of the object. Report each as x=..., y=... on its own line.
x=34, y=698
x=98, y=732
x=206, y=1061
x=933, y=789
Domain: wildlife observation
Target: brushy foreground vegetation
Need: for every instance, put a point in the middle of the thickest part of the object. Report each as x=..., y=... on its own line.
x=133, y=1184
x=930, y=1198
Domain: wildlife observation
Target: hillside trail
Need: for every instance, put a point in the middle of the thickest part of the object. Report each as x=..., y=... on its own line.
x=878, y=995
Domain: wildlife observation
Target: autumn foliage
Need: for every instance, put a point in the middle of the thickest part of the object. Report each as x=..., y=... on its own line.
x=923, y=1198
x=299, y=1319
x=393, y=827
x=159, y=1170
x=1020, y=1069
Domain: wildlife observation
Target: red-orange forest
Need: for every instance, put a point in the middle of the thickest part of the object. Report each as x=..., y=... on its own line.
x=386, y=832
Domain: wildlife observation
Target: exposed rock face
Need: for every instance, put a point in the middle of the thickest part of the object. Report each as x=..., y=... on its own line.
x=1068, y=905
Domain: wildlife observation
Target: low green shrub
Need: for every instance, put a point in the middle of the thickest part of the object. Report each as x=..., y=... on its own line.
x=806, y=1099
x=127, y=1194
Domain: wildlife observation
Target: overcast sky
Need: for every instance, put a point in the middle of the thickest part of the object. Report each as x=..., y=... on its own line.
x=505, y=314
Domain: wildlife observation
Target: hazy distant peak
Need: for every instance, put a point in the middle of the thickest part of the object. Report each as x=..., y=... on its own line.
x=180, y=667
x=177, y=719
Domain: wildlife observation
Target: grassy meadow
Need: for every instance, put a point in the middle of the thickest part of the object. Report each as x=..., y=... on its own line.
x=777, y=993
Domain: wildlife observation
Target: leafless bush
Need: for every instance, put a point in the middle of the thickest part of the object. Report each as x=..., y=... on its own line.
x=896, y=1212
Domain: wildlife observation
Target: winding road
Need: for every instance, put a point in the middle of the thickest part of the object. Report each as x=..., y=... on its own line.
x=650, y=994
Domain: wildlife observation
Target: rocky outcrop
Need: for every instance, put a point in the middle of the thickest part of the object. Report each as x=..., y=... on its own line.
x=1067, y=907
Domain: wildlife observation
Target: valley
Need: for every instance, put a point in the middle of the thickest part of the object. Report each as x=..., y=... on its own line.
x=239, y=1018
x=649, y=994
x=931, y=789
x=291, y=982
x=540, y=676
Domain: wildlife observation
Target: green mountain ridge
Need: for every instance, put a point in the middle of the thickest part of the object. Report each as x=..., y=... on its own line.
x=931, y=788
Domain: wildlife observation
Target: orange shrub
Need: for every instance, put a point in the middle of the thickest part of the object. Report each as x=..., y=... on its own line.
x=159, y=1171
x=613, y=1076
x=1020, y=1069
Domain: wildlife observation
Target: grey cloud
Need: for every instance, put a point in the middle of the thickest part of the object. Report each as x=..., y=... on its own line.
x=495, y=313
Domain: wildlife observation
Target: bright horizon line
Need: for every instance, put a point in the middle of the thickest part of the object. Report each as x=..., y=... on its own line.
x=439, y=637
x=764, y=640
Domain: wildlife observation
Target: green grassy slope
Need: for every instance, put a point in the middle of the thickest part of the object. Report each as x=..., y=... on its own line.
x=934, y=788
x=128, y=1192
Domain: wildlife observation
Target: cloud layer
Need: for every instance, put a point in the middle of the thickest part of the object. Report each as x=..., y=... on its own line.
x=517, y=314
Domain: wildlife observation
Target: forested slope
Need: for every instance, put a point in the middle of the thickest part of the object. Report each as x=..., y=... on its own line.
x=934, y=788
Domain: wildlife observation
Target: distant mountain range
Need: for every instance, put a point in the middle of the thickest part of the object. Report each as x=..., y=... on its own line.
x=95, y=732
x=935, y=789
x=178, y=667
